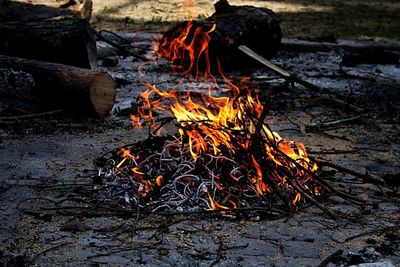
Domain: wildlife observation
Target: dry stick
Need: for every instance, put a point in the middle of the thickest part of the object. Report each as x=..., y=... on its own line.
x=378, y=231
x=327, y=124
x=119, y=211
x=270, y=65
x=366, y=177
x=348, y=197
x=249, y=52
x=312, y=200
x=291, y=77
x=30, y=116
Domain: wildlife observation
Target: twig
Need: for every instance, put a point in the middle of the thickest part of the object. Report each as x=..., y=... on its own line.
x=327, y=124
x=343, y=195
x=47, y=250
x=219, y=254
x=366, y=177
x=333, y=152
x=328, y=259
x=222, y=248
x=312, y=200
x=30, y=116
x=119, y=211
x=374, y=232
x=290, y=77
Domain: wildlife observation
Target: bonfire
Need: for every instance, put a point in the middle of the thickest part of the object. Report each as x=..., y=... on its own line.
x=224, y=155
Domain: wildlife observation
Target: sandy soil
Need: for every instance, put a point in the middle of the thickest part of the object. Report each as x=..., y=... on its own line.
x=378, y=19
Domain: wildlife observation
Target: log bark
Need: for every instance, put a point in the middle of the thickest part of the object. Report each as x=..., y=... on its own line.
x=65, y=86
x=257, y=28
x=46, y=33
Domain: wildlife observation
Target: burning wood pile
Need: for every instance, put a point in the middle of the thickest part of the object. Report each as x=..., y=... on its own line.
x=224, y=157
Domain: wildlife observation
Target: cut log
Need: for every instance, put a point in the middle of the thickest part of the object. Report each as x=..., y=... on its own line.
x=46, y=33
x=257, y=28
x=65, y=86
x=83, y=8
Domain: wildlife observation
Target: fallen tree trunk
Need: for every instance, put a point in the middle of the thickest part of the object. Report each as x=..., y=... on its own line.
x=257, y=28
x=46, y=33
x=65, y=86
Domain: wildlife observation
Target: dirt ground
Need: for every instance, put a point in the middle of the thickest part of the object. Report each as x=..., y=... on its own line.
x=52, y=213
x=357, y=19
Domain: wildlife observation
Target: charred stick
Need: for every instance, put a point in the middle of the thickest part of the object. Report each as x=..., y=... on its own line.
x=312, y=200
x=348, y=197
x=31, y=116
x=219, y=254
x=261, y=119
x=366, y=177
x=276, y=188
x=328, y=259
x=321, y=181
x=328, y=123
x=333, y=152
x=378, y=231
x=308, y=197
x=304, y=194
x=47, y=250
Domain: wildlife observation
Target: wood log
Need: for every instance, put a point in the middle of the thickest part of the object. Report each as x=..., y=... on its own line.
x=83, y=8
x=257, y=28
x=65, y=86
x=46, y=33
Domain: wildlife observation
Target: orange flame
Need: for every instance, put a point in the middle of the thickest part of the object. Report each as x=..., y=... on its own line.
x=159, y=180
x=214, y=204
x=189, y=43
x=261, y=187
x=296, y=199
x=126, y=153
x=211, y=125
